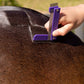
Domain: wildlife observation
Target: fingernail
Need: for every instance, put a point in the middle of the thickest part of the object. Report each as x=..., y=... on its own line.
x=55, y=33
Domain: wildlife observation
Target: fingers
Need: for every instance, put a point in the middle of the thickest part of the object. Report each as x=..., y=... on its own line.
x=62, y=18
x=47, y=26
x=63, y=30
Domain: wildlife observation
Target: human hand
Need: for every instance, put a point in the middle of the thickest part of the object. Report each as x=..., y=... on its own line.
x=70, y=18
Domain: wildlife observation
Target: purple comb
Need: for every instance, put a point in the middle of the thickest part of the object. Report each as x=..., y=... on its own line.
x=54, y=25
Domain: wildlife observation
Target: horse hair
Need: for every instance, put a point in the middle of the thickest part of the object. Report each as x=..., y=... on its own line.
x=25, y=62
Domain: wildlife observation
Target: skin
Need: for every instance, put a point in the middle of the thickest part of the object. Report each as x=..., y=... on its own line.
x=70, y=18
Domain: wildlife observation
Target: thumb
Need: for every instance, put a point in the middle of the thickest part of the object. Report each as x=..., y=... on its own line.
x=63, y=30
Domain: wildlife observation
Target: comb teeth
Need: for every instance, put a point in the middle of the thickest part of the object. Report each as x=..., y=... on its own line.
x=53, y=4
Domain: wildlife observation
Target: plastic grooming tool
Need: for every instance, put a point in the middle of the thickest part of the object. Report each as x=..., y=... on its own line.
x=54, y=19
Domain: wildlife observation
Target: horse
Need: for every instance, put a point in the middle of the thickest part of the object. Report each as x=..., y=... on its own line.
x=25, y=62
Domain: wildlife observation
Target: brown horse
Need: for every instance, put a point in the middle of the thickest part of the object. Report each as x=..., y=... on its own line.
x=25, y=62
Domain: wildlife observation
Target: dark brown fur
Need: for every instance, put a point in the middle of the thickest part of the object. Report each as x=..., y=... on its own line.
x=24, y=62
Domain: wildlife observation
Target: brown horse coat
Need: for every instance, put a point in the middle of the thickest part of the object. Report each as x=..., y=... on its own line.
x=24, y=62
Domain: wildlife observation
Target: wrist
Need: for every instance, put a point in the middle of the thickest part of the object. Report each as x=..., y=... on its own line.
x=81, y=10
